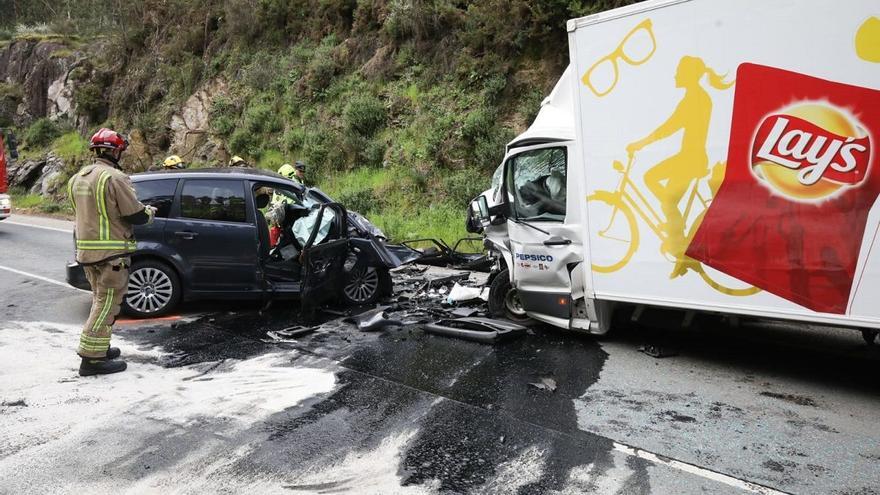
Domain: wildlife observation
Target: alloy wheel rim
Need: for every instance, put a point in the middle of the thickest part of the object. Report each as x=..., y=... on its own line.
x=149, y=290
x=362, y=284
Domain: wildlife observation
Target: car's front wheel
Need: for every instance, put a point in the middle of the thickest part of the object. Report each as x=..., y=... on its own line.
x=153, y=290
x=365, y=285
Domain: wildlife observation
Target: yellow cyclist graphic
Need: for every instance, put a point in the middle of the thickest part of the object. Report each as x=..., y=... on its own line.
x=670, y=179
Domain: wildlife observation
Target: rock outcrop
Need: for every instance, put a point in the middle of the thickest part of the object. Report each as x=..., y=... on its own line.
x=45, y=176
x=191, y=126
x=41, y=69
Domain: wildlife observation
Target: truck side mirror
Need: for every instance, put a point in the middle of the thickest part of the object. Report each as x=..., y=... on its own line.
x=478, y=215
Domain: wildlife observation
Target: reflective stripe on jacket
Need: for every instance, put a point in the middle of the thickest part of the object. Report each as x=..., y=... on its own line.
x=101, y=195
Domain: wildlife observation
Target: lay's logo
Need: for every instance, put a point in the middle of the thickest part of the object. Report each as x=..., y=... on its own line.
x=810, y=151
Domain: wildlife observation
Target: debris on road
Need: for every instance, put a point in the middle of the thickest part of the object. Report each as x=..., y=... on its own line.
x=460, y=293
x=547, y=383
x=289, y=333
x=372, y=320
x=483, y=330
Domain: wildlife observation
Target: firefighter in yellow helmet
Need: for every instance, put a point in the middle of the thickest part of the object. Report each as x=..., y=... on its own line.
x=106, y=208
x=173, y=162
x=237, y=161
x=296, y=172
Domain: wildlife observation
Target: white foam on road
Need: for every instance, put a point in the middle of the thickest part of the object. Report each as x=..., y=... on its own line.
x=51, y=414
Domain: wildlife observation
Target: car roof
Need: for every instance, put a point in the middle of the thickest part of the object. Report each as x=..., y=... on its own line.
x=216, y=173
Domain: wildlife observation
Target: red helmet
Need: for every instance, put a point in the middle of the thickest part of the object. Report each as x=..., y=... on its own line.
x=108, y=139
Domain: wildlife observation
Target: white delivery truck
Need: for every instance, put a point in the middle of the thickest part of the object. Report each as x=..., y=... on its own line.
x=703, y=155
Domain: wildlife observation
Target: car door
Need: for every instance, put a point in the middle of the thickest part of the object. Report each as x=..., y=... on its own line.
x=323, y=263
x=215, y=234
x=541, y=241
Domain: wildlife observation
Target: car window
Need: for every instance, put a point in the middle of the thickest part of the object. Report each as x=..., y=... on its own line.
x=207, y=199
x=157, y=193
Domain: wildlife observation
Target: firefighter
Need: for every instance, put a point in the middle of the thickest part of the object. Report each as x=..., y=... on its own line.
x=296, y=172
x=106, y=207
x=173, y=162
x=237, y=161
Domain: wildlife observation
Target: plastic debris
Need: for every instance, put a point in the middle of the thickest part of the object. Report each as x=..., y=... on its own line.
x=548, y=384
x=460, y=293
x=483, y=330
x=372, y=320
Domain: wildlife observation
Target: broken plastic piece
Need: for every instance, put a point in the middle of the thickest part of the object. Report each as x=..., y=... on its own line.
x=372, y=320
x=545, y=384
x=483, y=330
x=460, y=293
x=289, y=333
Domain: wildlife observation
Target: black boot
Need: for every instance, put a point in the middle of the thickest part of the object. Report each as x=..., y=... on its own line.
x=92, y=366
x=113, y=352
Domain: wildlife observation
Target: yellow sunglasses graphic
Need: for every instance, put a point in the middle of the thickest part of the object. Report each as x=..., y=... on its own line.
x=636, y=48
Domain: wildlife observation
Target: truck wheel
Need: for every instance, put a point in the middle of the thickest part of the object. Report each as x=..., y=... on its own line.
x=153, y=290
x=365, y=285
x=503, y=299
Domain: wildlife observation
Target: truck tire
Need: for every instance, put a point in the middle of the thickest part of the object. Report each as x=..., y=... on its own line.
x=153, y=290
x=503, y=300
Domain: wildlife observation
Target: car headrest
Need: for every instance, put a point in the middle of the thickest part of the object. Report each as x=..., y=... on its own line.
x=262, y=201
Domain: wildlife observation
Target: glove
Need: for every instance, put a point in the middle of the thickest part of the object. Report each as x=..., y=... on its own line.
x=151, y=212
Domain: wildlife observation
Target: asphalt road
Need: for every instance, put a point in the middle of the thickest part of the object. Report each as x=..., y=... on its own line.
x=213, y=403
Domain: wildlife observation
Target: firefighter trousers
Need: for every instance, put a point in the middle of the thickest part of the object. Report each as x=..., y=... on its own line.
x=109, y=281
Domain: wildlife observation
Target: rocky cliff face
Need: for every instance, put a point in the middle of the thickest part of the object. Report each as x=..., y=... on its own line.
x=41, y=69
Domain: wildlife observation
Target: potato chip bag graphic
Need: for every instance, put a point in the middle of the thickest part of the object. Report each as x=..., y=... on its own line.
x=791, y=213
x=868, y=40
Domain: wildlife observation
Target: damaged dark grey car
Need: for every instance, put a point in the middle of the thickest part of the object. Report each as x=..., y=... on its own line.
x=211, y=240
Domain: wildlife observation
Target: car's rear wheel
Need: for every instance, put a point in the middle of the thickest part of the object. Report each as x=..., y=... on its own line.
x=153, y=290
x=365, y=285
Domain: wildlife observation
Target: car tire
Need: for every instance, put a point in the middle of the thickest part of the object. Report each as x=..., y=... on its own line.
x=365, y=285
x=503, y=301
x=153, y=290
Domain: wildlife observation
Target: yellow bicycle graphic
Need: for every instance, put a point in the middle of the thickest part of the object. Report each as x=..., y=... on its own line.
x=621, y=206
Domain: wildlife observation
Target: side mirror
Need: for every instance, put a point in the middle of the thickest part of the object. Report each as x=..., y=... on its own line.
x=478, y=215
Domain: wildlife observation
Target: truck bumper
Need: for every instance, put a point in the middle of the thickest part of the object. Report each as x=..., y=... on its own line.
x=76, y=276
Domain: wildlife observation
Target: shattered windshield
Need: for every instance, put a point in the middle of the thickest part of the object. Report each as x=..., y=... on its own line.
x=538, y=179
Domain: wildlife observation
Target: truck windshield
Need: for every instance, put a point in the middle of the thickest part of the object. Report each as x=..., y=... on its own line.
x=537, y=184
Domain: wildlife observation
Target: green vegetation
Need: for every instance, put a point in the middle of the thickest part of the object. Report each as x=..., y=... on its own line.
x=22, y=200
x=400, y=108
x=40, y=134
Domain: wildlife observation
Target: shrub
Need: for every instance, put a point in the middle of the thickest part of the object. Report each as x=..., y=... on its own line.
x=362, y=201
x=365, y=115
x=40, y=134
x=464, y=185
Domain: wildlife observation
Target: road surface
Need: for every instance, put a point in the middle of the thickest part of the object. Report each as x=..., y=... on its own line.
x=213, y=403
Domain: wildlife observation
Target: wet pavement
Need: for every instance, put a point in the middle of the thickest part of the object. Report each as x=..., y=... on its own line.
x=222, y=401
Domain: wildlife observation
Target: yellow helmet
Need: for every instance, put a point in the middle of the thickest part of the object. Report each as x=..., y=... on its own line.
x=237, y=161
x=287, y=170
x=173, y=161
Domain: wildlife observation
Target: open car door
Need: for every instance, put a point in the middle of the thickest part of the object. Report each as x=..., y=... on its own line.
x=323, y=259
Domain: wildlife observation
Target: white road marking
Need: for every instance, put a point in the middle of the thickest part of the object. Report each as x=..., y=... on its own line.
x=9, y=222
x=42, y=278
x=696, y=470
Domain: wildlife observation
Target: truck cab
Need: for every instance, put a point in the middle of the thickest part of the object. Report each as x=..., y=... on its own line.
x=532, y=220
